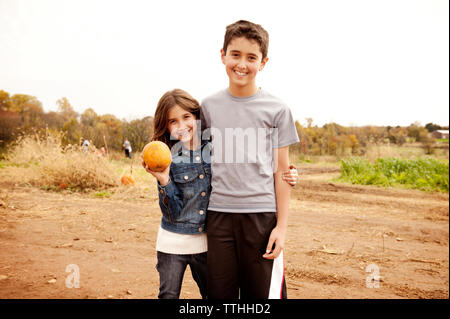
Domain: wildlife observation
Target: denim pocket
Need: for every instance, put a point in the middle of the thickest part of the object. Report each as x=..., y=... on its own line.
x=186, y=183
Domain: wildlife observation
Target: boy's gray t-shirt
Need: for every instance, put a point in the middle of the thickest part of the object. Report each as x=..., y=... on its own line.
x=244, y=133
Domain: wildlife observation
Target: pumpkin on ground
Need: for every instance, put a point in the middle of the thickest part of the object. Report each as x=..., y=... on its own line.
x=157, y=156
x=127, y=180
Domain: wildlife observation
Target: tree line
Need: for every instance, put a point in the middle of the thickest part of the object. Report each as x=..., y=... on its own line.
x=335, y=139
x=24, y=114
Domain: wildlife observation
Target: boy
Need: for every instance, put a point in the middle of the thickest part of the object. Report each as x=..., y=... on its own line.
x=248, y=207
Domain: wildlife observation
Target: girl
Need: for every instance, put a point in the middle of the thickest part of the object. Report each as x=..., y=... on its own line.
x=184, y=189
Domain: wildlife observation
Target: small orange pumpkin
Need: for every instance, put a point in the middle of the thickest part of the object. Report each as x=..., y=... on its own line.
x=127, y=180
x=157, y=156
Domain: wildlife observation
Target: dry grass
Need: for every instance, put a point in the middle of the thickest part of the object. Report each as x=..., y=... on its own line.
x=385, y=150
x=45, y=163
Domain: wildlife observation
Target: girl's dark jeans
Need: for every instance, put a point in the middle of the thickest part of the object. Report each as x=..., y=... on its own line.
x=171, y=268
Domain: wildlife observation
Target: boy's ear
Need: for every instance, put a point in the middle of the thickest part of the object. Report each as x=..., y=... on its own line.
x=263, y=63
x=222, y=56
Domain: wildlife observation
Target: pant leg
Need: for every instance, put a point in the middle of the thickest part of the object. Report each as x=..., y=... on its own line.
x=262, y=278
x=199, y=271
x=222, y=278
x=171, y=270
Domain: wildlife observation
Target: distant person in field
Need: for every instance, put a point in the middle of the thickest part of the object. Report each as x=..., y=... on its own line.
x=101, y=152
x=86, y=144
x=248, y=207
x=127, y=147
x=184, y=189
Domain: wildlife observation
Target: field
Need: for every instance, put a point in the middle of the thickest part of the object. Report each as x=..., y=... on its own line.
x=339, y=236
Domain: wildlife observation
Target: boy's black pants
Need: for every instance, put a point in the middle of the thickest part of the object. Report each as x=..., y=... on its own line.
x=236, y=268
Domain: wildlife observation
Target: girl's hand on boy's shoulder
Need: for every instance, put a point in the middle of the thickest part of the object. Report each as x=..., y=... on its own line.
x=290, y=176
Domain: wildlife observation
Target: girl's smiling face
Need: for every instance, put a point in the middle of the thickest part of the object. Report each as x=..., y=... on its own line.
x=182, y=125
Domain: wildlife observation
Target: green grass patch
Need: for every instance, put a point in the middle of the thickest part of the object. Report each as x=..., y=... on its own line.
x=51, y=188
x=103, y=194
x=4, y=164
x=426, y=174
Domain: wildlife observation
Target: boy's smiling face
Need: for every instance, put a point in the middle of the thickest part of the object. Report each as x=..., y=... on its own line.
x=243, y=60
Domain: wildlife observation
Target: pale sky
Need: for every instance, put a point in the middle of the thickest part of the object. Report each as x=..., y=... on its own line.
x=353, y=62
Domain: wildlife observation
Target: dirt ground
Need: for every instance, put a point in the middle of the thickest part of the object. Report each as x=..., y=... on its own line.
x=339, y=237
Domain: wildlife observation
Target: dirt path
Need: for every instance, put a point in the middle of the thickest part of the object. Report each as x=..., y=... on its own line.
x=335, y=233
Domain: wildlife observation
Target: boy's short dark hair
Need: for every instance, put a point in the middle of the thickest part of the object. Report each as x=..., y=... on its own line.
x=250, y=31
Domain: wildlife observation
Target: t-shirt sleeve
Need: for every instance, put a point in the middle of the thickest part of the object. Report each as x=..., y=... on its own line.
x=285, y=128
x=205, y=122
x=204, y=117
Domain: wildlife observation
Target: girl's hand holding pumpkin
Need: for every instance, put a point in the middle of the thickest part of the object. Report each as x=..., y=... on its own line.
x=162, y=177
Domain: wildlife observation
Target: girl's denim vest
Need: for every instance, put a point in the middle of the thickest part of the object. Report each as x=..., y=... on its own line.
x=184, y=200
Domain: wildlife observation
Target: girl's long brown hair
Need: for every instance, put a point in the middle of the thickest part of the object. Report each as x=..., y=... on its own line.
x=166, y=102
